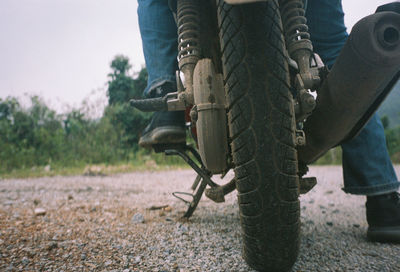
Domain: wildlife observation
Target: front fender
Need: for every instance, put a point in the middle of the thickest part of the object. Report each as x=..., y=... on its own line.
x=235, y=2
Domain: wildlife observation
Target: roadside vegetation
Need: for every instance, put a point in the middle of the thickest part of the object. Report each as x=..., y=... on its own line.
x=36, y=141
x=334, y=156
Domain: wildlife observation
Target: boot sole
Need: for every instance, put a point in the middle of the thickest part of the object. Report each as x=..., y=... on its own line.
x=163, y=135
x=384, y=234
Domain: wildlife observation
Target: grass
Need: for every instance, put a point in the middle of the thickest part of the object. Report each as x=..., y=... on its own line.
x=93, y=169
x=141, y=162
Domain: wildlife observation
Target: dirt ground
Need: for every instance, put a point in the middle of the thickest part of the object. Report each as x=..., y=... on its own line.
x=131, y=222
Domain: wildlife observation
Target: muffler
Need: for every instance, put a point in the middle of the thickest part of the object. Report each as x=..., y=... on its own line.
x=362, y=76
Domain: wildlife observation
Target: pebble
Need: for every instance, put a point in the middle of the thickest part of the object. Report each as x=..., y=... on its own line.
x=137, y=218
x=138, y=259
x=25, y=261
x=181, y=229
x=39, y=211
x=52, y=245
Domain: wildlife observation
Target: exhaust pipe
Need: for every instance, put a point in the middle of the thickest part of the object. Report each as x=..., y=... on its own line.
x=362, y=76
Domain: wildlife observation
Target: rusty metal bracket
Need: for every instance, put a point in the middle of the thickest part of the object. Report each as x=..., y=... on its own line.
x=306, y=184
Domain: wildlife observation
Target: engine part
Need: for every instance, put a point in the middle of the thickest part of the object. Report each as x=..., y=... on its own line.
x=364, y=73
x=209, y=98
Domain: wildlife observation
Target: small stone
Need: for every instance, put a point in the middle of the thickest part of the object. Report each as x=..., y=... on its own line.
x=168, y=209
x=126, y=270
x=137, y=218
x=52, y=245
x=310, y=222
x=40, y=211
x=181, y=229
x=16, y=216
x=25, y=261
x=28, y=251
x=108, y=263
x=83, y=257
x=138, y=259
x=8, y=203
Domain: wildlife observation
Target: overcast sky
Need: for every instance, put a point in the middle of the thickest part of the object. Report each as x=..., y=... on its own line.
x=61, y=49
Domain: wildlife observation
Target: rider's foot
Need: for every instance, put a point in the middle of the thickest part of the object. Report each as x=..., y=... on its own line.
x=383, y=216
x=165, y=127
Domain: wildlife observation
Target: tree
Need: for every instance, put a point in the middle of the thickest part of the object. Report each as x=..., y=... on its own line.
x=121, y=88
x=385, y=122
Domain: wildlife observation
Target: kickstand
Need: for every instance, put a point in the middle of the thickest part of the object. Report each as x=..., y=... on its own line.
x=200, y=183
x=203, y=178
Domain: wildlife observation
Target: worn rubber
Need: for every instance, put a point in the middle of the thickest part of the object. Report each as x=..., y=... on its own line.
x=163, y=135
x=261, y=128
x=384, y=234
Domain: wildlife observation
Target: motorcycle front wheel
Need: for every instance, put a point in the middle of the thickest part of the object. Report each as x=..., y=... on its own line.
x=262, y=132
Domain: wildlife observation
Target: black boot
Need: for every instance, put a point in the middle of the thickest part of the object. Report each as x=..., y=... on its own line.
x=383, y=217
x=165, y=127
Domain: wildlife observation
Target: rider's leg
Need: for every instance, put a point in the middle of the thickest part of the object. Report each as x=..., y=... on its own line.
x=159, y=39
x=367, y=167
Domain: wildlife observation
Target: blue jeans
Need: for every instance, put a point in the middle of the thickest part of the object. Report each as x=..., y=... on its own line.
x=367, y=168
x=160, y=42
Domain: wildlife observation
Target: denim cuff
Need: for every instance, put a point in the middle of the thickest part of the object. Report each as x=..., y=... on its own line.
x=373, y=190
x=158, y=82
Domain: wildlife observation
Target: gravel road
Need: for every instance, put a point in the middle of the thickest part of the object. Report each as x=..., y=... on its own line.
x=115, y=223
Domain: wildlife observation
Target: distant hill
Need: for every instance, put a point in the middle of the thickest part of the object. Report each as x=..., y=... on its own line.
x=391, y=107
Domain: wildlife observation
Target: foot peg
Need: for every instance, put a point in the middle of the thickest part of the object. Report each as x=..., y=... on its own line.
x=170, y=102
x=150, y=104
